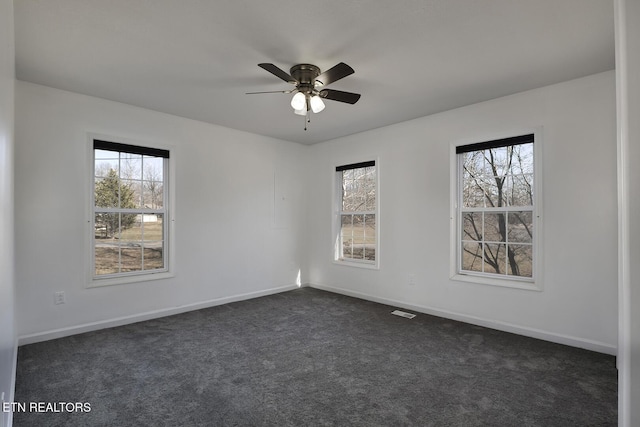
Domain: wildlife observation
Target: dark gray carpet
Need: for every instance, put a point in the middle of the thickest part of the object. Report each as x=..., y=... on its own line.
x=313, y=358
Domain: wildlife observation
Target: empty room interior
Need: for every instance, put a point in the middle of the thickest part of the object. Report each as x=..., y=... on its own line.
x=320, y=213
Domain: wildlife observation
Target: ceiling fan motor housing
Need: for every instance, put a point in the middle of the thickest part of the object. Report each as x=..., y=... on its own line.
x=306, y=75
x=311, y=83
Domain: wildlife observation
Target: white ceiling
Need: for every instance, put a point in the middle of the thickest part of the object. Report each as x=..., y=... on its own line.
x=197, y=58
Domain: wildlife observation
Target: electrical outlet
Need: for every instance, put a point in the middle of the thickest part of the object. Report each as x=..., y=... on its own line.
x=411, y=278
x=58, y=298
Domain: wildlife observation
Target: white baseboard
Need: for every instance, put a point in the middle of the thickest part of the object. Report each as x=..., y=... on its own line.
x=126, y=320
x=493, y=324
x=501, y=326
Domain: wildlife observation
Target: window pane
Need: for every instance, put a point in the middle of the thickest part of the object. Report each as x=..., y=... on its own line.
x=107, y=190
x=493, y=179
x=487, y=167
x=131, y=194
x=370, y=237
x=358, y=237
x=106, y=161
x=130, y=166
x=521, y=260
x=498, y=161
x=359, y=195
x=107, y=258
x=370, y=188
x=152, y=168
x=125, y=241
x=100, y=227
x=495, y=260
x=130, y=257
x=520, y=227
x=495, y=227
x=153, y=256
x=495, y=192
x=128, y=226
x=358, y=230
x=472, y=226
x=523, y=159
x=347, y=235
x=520, y=190
x=153, y=194
x=472, y=190
x=473, y=163
x=347, y=195
x=107, y=226
x=473, y=196
x=153, y=227
x=131, y=228
x=359, y=189
x=152, y=184
x=370, y=204
x=472, y=256
x=369, y=228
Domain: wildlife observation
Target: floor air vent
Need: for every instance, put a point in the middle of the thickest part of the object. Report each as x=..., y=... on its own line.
x=403, y=314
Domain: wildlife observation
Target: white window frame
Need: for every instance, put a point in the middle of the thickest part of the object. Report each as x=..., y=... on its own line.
x=168, y=222
x=533, y=283
x=337, y=211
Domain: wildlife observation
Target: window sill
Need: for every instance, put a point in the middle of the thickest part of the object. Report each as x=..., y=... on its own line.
x=493, y=281
x=122, y=280
x=365, y=265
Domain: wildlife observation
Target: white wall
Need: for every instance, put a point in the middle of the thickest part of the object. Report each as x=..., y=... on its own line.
x=7, y=328
x=239, y=228
x=252, y=211
x=578, y=305
x=628, y=86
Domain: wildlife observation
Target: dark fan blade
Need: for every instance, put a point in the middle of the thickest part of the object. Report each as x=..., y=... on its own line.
x=278, y=72
x=270, y=91
x=334, y=74
x=338, y=95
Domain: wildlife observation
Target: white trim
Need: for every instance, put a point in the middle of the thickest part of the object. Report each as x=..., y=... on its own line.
x=535, y=283
x=149, y=315
x=623, y=360
x=335, y=228
x=129, y=278
x=474, y=320
x=492, y=280
x=355, y=263
x=168, y=196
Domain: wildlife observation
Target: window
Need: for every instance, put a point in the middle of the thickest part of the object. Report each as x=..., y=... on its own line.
x=496, y=209
x=356, y=213
x=130, y=218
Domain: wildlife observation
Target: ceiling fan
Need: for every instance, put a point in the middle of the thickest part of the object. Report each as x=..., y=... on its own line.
x=311, y=86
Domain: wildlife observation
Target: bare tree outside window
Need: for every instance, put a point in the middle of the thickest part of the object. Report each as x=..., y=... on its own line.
x=496, y=207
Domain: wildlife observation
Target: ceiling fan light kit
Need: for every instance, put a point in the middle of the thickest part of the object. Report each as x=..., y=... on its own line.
x=316, y=104
x=310, y=86
x=299, y=101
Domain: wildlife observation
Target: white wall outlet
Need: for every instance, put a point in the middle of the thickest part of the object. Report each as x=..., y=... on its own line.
x=58, y=297
x=411, y=279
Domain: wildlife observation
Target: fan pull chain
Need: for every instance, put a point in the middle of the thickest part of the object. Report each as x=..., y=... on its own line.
x=307, y=119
